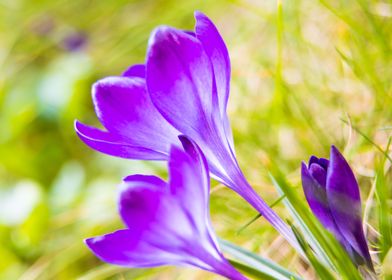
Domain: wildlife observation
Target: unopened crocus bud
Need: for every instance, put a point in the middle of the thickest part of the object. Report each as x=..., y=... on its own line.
x=333, y=195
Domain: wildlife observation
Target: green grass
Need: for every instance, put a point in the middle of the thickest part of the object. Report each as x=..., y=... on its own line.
x=305, y=75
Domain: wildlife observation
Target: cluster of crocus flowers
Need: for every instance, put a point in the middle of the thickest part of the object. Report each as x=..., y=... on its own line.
x=183, y=88
x=167, y=223
x=333, y=195
x=173, y=108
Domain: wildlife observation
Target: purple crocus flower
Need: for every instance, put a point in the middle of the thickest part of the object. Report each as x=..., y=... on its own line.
x=182, y=89
x=333, y=195
x=167, y=223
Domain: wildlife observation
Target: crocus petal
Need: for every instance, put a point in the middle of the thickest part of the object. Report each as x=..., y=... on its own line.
x=188, y=170
x=166, y=224
x=145, y=204
x=139, y=200
x=216, y=49
x=137, y=70
x=111, y=144
x=123, y=248
x=316, y=196
x=319, y=174
x=125, y=109
x=345, y=204
x=126, y=248
x=179, y=78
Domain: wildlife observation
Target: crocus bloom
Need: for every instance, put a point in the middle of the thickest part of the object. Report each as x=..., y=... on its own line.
x=333, y=195
x=167, y=223
x=182, y=89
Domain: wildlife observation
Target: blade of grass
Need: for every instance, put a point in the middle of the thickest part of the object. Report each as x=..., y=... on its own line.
x=321, y=270
x=258, y=215
x=367, y=138
x=249, y=262
x=383, y=195
x=301, y=223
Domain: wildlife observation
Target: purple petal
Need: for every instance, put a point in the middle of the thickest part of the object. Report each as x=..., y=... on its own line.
x=216, y=49
x=179, y=79
x=111, y=144
x=323, y=162
x=145, y=204
x=125, y=109
x=316, y=196
x=189, y=183
x=313, y=159
x=126, y=248
x=137, y=70
x=123, y=248
x=345, y=203
x=140, y=199
x=319, y=174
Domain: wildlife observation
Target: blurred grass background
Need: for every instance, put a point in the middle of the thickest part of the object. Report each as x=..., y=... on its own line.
x=316, y=73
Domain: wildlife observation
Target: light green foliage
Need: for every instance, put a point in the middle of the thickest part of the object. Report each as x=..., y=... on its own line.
x=305, y=75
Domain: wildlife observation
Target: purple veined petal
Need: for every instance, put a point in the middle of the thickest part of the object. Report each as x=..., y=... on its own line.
x=165, y=225
x=345, y=203
x=146, y=204
x=108, y=143
x=139, y=200
x=189, y=180
x=316, y=196
x=123, y=248
x=125, y=109
x=180, y=79
x=126, y=248
x=187, y=169
x=216, y=49
x=137, y=70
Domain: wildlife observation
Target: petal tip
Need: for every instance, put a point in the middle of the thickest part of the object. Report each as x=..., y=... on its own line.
x=334, y=150
x=198, y=14
x=76, y=124
x=185, y=141
x=304, y=166
x=159, y=34
x=91, y=242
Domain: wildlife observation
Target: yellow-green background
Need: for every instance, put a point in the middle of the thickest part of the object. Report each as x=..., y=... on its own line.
x=295, y=77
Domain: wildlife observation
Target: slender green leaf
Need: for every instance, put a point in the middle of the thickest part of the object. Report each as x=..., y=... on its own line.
x=250, y=261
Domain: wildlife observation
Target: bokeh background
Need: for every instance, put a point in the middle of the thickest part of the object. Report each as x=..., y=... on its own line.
x=313, y=74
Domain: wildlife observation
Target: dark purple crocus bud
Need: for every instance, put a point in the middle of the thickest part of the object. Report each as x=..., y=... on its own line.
x=333, y=195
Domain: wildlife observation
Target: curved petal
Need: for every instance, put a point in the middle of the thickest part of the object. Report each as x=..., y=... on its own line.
x=164, y=217
x=125, y=248
x=145, y=203
x=179, y=79
x=108, y=143
x=124, y=108
x=345, y=203
x=137, y=70
x=189, y=177
x=216, y=49
x=316, y=196
x=139, y=200
x=323, y=162
x=319, y=174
